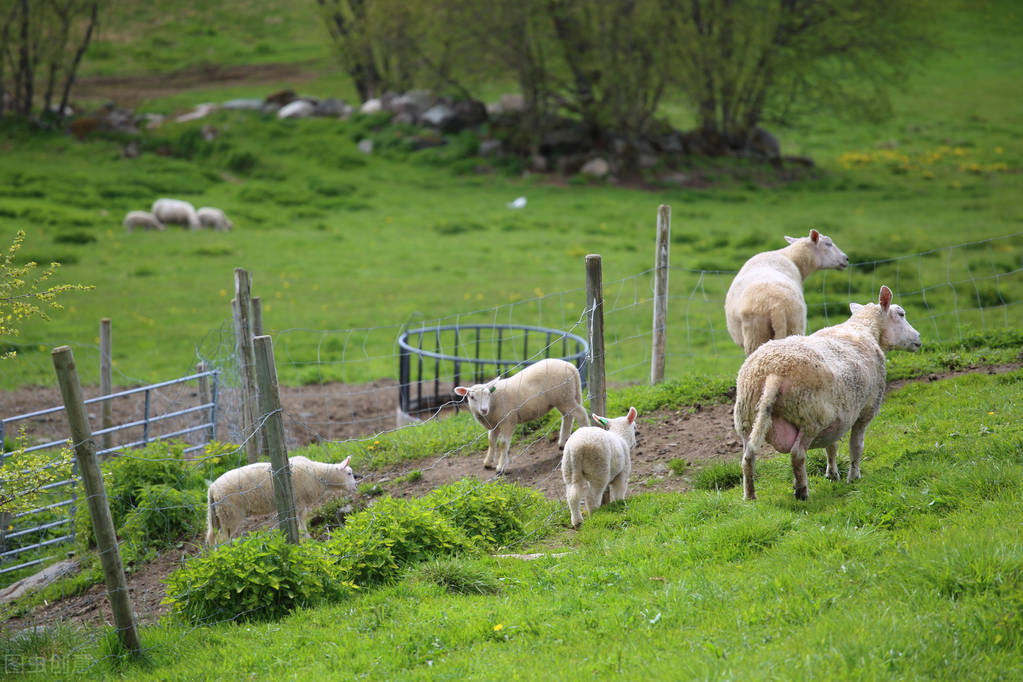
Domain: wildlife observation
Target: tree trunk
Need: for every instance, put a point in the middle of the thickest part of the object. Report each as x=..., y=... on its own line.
x=70, y=80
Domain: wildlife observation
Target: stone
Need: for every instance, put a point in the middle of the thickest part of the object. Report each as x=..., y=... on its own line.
x=491, y=148
x=596, y=168
x=244, y=104
x=371, y=106
x=300, y=108
x=333, y=107
x=365, y=146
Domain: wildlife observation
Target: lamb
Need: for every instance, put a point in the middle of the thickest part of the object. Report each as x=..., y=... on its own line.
x=500, y=404
x=596, y=460
x=142, y=219
x=806, y=392
x=213, y=218
x=248, y=491
x=765, y=300
x=176, y=212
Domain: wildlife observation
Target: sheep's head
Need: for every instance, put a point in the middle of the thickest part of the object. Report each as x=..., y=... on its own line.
x=623, y=426
x=342, y=476
x=828, y=255
x=896, y=332
x=478, y=396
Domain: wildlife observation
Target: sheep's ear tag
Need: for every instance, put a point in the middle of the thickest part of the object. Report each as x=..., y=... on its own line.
x=603, y=421
x=493, y=388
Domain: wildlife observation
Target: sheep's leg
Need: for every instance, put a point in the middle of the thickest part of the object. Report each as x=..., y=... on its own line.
x=856, y=449
x=574, y=496
x=748, y=458
x=566, y=429
x=799, y=469
x=619, y=486
x=596, y=494
x=488, y=461
x=832, y=451
x=503, y=444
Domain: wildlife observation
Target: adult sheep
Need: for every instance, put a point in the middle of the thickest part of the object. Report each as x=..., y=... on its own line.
x=500, y=404
x=806, y=392
x=248, y=491
x=765, y=300
x=176, y=212
x=143, y=220
x=213, y=218
x=596, y=460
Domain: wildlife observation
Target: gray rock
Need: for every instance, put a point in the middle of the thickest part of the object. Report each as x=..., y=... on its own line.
x=413, y=103
x=596, y=168
x=365, y=146
x=765, y=144
x=333, y=107
x=300, y=108
x=439, y=116
x=244, y=104
x=200, y=111
x=491, y=148
x=371, y=106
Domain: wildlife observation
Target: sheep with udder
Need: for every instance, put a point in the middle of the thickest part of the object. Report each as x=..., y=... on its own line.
x=142, y=219
x=176, y=212
x=501, y=404
x=248, y=491
x=596, y=460
x=213, y=218
x=806, y=392
x=765, y=300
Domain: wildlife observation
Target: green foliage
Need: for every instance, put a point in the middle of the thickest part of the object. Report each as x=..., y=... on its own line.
x=460, y=576
x=330, y=515
x=162, y=516
x=678, y=466
x=259, y=577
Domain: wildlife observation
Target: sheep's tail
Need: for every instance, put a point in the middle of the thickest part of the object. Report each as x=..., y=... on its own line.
x=762, y=421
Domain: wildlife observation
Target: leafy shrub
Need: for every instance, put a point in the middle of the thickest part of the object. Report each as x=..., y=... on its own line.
x=163, y=516
x=330, y=516
x=719, y=476
x=491, y=515
x=259, y=577
x=678, y=466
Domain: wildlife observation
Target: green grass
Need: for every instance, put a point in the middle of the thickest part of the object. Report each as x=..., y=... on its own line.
x=914, y=572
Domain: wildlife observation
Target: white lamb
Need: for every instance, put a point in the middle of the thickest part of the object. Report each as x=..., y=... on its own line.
x=248, y=491
x=501, y=404
x=596, y=460
x=213, y=218
x=806, y=392
x=142, y=219
x=765, y=300
x=176, y=212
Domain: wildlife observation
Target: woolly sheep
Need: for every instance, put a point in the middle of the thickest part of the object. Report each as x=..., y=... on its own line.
x=248, y=491
x=213, y=218
x=176, y=212
x=142, y=219
x=596, y=460
x=765, y=300
x=806, y=392
x=500, y=404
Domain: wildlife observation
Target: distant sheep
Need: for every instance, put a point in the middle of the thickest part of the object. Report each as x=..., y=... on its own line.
x=213, y=218
x=176, y=212
x=248, y=491
x=765, y=300
x=596, y=460
x=806, y=392
x=499, y=405
x=143, y=220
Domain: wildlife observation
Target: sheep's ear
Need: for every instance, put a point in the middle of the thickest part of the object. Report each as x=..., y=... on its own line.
x=461, y=390
x=632, y=414
x=814, y=235
x=345, y=462
x=853, y=307
x=791, y=240
x=885, y=297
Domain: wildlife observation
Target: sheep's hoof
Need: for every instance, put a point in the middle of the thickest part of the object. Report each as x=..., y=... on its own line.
x=833, y=476
x=488, y=466
x=802, y=493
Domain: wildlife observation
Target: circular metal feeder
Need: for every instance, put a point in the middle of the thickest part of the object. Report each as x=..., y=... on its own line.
x=432, y=361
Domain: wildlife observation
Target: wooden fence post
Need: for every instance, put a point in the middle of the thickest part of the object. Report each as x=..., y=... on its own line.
x=96, y=495
x=106, y=378
x=257, y=316
x=240, y=307
x=273, y=427
x=661, y=253
x=205, y=397
x=595, y=385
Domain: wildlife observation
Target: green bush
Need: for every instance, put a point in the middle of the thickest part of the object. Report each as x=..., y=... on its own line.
x=163, y=516
x=259, y=577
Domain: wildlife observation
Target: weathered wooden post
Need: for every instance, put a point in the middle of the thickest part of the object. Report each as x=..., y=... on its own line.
x=106, y=378
x=595, y=385
x=96, y=495
x=661, y=253
x=273, y=427
x=241, y=309
x=257, y=316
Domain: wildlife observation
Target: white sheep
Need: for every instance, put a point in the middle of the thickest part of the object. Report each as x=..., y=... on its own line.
x=806, y=392
x=213, y=218
x=248, y=491
x=142, y=219
x=596, y=460
x=765, y=300
x=176, y=212
x=501, y=404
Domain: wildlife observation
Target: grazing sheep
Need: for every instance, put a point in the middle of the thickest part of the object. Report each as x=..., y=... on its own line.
x=765, y=300
x=176, y=212
x=248, y=491
x=806, y=392
x=500, y=404
x=596, y=460
x=213, y=218
x=142, y=219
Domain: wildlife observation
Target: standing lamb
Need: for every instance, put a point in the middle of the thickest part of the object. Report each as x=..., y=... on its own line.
x=806, y=392
x=765, y=300
x=142, y=219
x=596, y=460
x=248, y=491
x=501, y=404
x=214, y=219
x=176, y=212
